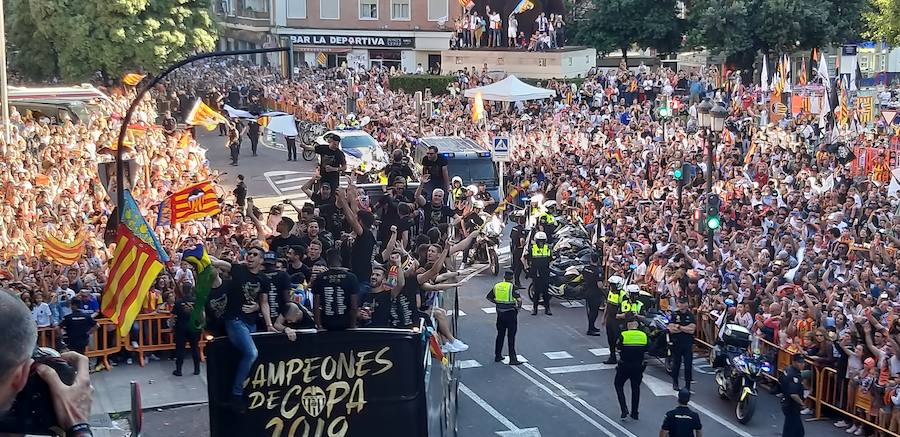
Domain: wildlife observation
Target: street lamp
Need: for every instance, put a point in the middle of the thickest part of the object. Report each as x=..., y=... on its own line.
x=718, y=114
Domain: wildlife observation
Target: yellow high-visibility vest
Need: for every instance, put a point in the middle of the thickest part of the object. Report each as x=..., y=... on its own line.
x=614, y=297
x=634, y=307
x=503, y=293
x=634, y=337
x=540, y=251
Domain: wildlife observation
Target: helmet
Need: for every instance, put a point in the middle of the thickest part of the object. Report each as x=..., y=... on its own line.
x=472, y=188
x=616, y=280
x=633, y=288
x=550, y=204
x=540, y=236
x=478, y=204
x=456, y=179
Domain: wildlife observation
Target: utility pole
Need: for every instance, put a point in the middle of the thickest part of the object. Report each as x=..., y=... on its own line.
x=710, y=151
x=4, y=89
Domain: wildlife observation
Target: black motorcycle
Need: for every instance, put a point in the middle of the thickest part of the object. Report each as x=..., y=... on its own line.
x=658, y=338
x=738, y=371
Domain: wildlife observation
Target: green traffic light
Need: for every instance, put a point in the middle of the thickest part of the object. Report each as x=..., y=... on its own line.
x=678, y=174
x=712, y=223
x=663, y=112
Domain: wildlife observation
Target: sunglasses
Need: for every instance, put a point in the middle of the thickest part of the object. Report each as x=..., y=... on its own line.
x=254, y=254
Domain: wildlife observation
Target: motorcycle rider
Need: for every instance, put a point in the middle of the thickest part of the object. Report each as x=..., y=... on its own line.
x=631, y=304
x=613, y=298
x=593, y=295
x=681, y=328
x=517, y=245
x=470, y=222
x=538, y=262
x=632, y=345
x=490, y=204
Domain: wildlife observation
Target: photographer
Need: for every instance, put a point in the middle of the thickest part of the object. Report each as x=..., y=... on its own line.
x=72, y=404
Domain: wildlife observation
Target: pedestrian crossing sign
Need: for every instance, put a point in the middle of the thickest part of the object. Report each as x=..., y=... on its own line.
x=501, y=149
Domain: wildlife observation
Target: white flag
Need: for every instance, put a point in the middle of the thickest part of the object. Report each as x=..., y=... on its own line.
x=822, y=72
x=764, y=76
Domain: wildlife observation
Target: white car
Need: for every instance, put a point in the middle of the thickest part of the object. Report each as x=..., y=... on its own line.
x=362, y=151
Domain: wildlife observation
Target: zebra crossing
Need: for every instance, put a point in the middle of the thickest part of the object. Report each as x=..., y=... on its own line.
x=288, y=184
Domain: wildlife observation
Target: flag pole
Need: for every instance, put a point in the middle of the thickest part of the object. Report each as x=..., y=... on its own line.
x=120, y=164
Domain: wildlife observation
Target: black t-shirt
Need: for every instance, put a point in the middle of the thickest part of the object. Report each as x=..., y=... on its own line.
x=334, y=217
x=403, y=306
x=277, y=294
x=244, y=289
x=334, y=158
x=303, y=271
x=683, y=319
x=398, y=169
x=435, y=215
x=681, y=422
x=434, y=168
x=282, y=242
x=332, y=290
x=361, y=255
x=215, y=308
x=182, y=311
x=78, y=327
x=380, y=305
x=306, y=322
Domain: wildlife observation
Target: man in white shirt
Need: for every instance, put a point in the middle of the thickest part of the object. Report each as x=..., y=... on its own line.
x=41, y=312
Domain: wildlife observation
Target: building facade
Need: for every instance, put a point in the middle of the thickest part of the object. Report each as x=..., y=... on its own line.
x=403, y=34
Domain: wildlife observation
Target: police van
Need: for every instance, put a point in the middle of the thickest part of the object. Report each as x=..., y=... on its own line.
x=467, y=159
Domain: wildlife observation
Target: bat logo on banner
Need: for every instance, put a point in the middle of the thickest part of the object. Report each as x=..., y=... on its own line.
x=313, y=400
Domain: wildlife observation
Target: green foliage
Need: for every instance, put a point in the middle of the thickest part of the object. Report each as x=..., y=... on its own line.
x=412, y=83
x=741, y=28
x=883, y=21
x=75, y=39
x=617, y=25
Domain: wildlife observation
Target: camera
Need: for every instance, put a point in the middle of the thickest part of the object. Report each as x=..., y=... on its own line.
x=32, y=411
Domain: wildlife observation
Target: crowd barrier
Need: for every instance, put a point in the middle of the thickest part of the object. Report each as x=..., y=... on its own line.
x=151, y=334
x=829, y=393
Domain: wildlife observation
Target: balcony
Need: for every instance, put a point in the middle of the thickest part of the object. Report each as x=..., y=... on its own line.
x=246, y=11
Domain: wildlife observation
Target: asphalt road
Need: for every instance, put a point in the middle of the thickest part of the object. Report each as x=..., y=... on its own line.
x=562, y=390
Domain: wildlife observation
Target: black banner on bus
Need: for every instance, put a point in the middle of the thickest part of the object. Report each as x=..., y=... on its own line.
x=366, y=382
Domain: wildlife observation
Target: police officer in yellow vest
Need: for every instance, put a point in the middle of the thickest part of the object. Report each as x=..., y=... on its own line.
x=632, y=346
x=631, y=303
x=539, y=258
x=508, y=302
x=613, y=298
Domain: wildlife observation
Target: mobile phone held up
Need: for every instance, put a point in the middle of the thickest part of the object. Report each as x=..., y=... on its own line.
x=32, y=412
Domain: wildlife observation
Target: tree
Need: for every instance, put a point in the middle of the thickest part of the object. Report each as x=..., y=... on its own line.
x=610, y=25
x=75, y=39
x=883, y=21
x=740, y=29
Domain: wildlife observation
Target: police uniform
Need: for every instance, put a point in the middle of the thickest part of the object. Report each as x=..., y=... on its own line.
x=682, y=348
x=506, y=298
x=540, y=276
x=632, y=346
x=791, y=384
x=593, y=296
x=613, y=298
x=681, y=422
x=629, y=304
x=517, y=246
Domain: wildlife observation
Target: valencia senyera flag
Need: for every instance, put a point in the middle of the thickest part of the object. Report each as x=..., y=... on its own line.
x=62, y=252
x=201, y=114
x=191, y=203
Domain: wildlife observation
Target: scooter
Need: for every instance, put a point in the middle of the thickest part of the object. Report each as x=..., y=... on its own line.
x=659, y=339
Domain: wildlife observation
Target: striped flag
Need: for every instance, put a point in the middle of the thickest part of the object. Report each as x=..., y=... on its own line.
x=842, y=112
x=523, y=6
x=802, y=77
x=864, y=108
x=132, y=79
x=750, y=152
x=62, y=252
x=191, y=203
x=203, y=115
x=135, y=266
x=322, y=59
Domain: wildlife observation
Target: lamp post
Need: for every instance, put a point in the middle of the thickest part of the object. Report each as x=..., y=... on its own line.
x=716, y=120
x=120, y=164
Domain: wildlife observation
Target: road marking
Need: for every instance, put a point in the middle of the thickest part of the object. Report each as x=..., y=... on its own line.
x=579, y=368
x=702, y=365
x=470, y=275
x=561, y=355
x=572, y=304
x=568, y=404
x=660, y=388
x=600, y=352
x=461, y=313
x=469, y=364
x=576, y=398
x=487, y=407
x=518, y=357
x=294, y=192
x=529, y=307
x=292, y=180
x=490, y=310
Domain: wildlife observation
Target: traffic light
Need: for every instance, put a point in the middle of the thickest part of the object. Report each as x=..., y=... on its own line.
x=713, y=204
x=678, y=170
x=664, y=110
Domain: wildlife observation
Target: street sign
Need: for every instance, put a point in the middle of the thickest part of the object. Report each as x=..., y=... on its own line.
x=501, y=149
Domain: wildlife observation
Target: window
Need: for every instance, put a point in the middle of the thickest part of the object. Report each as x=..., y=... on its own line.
x=368, y=9
x=296, y=8
x=438, y=10
x=400, y=9
x=863, y=62
x=329, y=10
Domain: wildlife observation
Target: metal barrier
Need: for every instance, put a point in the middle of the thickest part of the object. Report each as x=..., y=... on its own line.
x=826, y=392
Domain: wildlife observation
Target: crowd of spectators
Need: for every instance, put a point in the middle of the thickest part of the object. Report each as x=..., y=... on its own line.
x=806, y=256
x=473, y=30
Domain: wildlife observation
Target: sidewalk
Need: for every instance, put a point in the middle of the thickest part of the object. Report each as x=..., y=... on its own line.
x=159, y=388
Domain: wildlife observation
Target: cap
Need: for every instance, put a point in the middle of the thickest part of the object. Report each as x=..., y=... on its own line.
x=508, y=274
x=684, y=396
x=540, y=236
x=270, y=257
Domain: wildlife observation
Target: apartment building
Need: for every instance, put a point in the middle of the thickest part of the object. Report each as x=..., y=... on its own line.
x=399, y=33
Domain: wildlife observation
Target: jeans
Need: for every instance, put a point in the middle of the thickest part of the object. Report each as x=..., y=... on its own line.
x=239, y=335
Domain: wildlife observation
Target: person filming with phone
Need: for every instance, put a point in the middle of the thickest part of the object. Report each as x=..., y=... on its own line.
x=71, y=403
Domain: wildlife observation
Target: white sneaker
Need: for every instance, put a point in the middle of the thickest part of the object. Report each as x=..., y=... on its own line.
x=450, y=347
x=851, y=430
x=859, y=431
x=134, y=344
x=129, y=361
x=444, y=348
x=806, y=411
x=841, y=424
x=460, y=346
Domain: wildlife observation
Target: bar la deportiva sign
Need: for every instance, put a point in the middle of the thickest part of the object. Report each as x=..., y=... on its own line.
x=353, y=41
x=327, y=384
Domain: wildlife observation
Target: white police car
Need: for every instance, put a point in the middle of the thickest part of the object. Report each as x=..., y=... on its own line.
x=364, y=154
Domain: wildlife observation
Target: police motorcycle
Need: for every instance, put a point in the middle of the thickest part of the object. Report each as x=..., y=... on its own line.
x=659, y=341
x=486, y=247
x=738, y=371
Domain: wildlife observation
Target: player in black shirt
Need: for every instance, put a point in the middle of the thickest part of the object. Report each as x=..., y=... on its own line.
x=279, y=286
x=292, y=318
x=335, y=291
x=375, y=310
x=332, y=161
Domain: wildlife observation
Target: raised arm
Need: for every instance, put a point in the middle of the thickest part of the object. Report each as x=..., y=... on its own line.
x=307, y=187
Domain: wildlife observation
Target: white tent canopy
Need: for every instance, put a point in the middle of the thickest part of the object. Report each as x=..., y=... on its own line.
x=510, y=89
